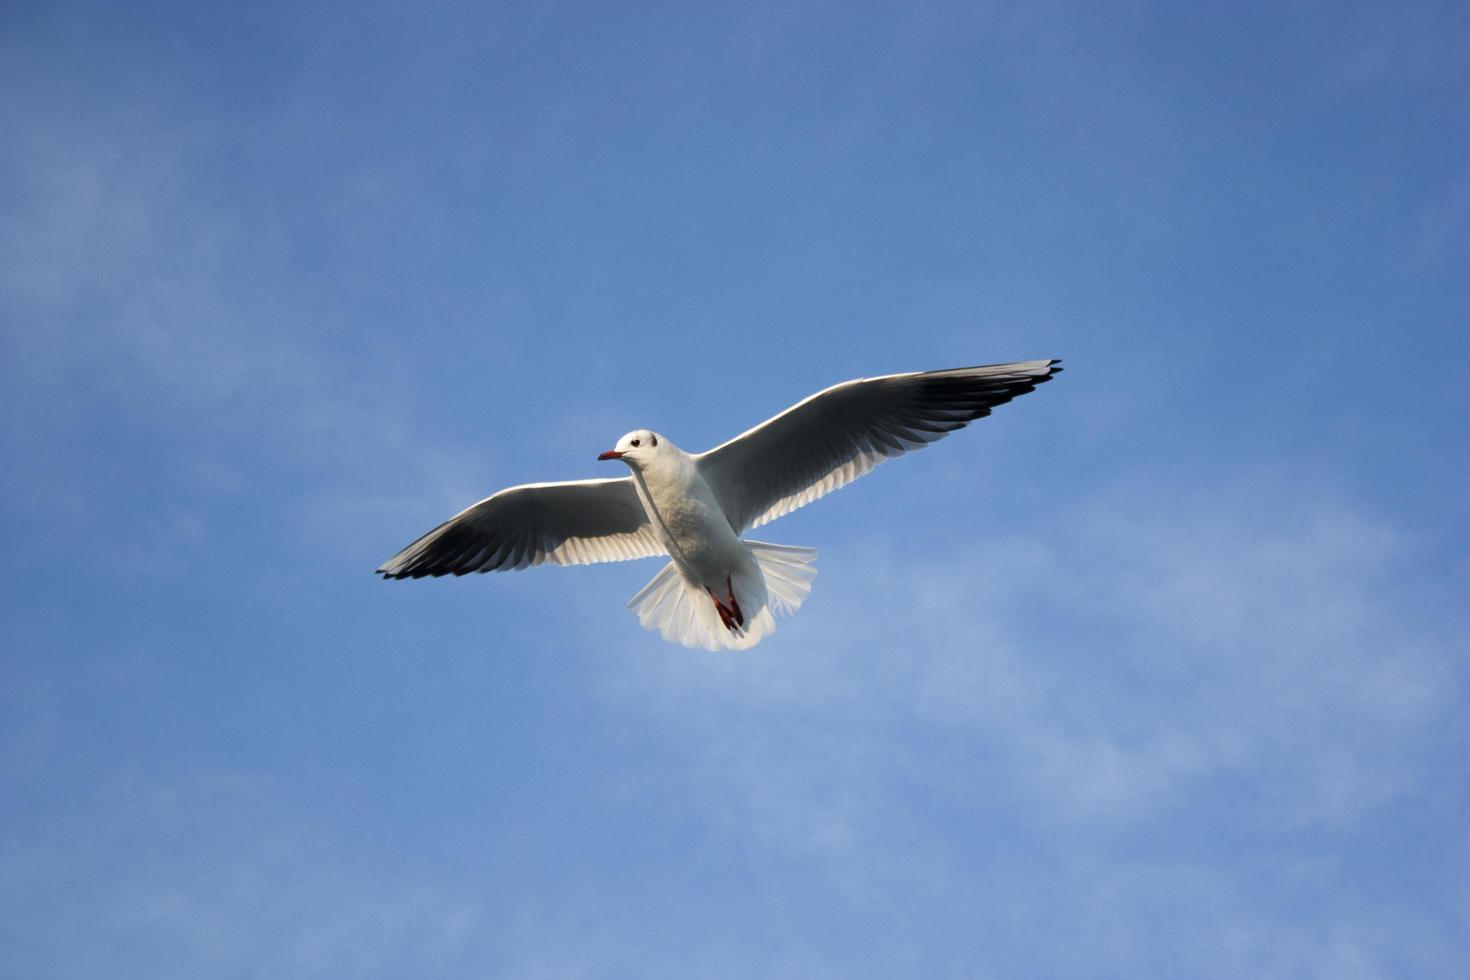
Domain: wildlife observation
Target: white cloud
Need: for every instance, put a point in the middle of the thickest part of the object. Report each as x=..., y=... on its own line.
x=212, y=872
x=1127, y=650
x=1245, y=655
x=146, y=310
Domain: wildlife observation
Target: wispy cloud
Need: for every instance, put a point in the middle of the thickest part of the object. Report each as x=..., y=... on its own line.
x=214, y=869
x=276, y=295
x=144, y=306
x=1241, y=656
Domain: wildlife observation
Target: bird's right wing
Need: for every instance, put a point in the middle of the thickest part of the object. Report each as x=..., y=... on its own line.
x=837, y=435
x=563, y=523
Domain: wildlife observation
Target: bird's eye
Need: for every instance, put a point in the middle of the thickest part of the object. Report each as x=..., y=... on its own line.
x=635, y=442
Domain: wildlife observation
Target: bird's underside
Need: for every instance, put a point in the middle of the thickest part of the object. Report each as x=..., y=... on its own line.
x=718, y=590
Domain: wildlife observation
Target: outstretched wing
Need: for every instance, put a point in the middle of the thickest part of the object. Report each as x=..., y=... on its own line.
x=563, y=523
x=837, y=435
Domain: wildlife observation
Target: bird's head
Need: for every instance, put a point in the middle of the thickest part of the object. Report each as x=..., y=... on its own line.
x=635, y=448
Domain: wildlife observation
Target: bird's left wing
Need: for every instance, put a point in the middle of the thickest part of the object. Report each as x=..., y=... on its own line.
x=562, y=523
x=837, y=435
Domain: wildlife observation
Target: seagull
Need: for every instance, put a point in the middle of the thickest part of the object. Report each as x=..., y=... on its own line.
x=719, y=589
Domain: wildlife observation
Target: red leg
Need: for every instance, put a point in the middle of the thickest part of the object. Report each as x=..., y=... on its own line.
x=734, y=606
x=725, y=617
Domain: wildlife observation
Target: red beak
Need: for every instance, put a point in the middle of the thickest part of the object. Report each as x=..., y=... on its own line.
x=611, y=454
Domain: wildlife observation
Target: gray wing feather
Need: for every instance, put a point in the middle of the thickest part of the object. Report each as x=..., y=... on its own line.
x=562, y=523
x=837, y=435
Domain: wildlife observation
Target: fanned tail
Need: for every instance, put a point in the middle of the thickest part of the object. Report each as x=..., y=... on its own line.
x=788, y=572
x=683, y=613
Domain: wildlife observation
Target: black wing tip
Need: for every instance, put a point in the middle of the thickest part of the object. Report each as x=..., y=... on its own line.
x=418, y=574
x=1049, y=369
x=406, y=570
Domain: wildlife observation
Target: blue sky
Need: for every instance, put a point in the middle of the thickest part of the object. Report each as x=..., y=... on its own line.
x=1158, y=672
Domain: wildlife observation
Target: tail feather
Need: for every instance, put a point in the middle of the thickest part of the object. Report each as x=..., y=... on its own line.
x=684, y=614
x=788, y=570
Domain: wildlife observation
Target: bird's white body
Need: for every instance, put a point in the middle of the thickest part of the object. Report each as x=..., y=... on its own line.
x=719, y=589
x=686, y=517
x=710, y=567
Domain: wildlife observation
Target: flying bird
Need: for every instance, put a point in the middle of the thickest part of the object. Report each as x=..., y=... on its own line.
x=718, y=590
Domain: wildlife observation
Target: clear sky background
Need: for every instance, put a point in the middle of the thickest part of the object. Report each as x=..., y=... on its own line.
x=1158, y=672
